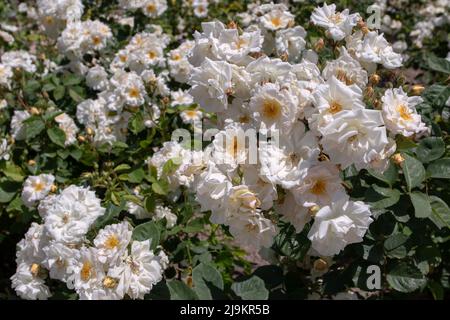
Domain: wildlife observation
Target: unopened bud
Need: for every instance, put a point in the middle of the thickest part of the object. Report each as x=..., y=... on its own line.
x=81, y=138
x=31, y=162
x=417, y=89
x=53, y=188
x=377, y=104
x=232, y=25
x=320, y=265
x=165, y=100
x=89, y=131
x=374, y=79
x=284, y=57
x=313, y=210
x=34, y=111
x=398, y=158
x=369, y=93
x=319, y=45
x=189, y=281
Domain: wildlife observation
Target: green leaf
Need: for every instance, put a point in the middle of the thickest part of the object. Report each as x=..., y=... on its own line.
x=149, y=203
x=413, y=170
x=137, y=123
x=437, y=290
x=430, y=149
x=251, y=289
x=440, y=212
x=180, y=291
x=48, y=87
x=8, y=190
x=59, y=92
x=206, y=280
x=145, y=231
x=394, y=246
x=405, y=278
x=380, y=198
x=171, y=166
x=421, y=203
x=12, y=171
x=122, y=167
x=57, y=136
x=75, y=96
x=438, y=64
x=389, y=176
x=439, y=169
x=34, y=127
x=404, y=143
x=195, y=225
x=112, y=211
x=71, y=79
x=437, y=95
x=136, y=176
x=160, y=187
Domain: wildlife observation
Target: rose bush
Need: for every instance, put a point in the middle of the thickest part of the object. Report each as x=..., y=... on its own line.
x=160, y=149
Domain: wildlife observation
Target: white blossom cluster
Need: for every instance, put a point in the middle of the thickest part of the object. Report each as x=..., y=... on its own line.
x=127, y=85
x=15, y=60
x=264, y=78
x=111, y=267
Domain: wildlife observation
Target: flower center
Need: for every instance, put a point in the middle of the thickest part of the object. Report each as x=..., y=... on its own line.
x=271, y=109
x=176, y=56
x=134, y=92
x=276, y=21
x=123, y=58
x=109, y=282
x=342, y=76
x=86, y=271
x=151, y=7
x=39, y=186
x=334, y=107
x=152, y=54
x=404, y=112
x=96, y=40
x=191, y=113
x=112, y=242
x=319, y=187
x=336, y=18
x=34, y=269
